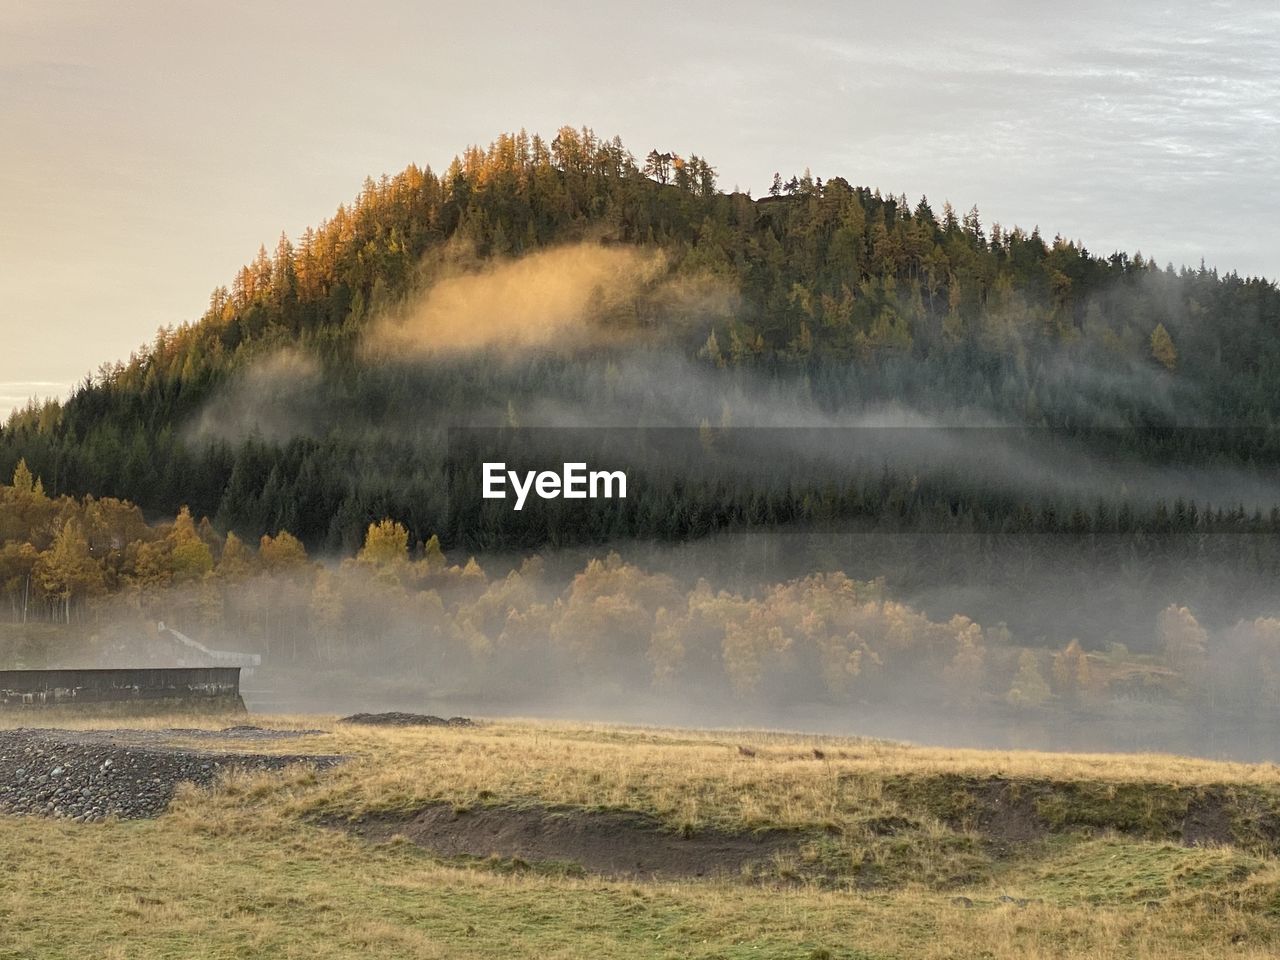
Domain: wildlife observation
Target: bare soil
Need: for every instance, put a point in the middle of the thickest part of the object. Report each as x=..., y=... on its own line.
x=611, y=844
x=1006, y=813
x=396, y=719
x=1015, y=811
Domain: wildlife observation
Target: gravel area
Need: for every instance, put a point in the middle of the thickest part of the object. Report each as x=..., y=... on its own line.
x=165, y=737
x=90, y=775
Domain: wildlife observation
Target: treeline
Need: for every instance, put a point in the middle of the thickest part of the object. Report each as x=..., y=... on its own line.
x=855, y=297
x=396, y=609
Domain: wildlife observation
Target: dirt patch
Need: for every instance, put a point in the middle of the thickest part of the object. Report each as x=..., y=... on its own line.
x=1208, y=821
x=1010, y=811
x=611, y=844
x=395, y=719
x=1006, y=811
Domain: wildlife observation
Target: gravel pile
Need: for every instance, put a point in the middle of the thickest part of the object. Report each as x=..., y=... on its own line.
x=394, y=719
x=88, y=776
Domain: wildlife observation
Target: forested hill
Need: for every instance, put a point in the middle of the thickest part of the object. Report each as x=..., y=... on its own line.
x=821, y=293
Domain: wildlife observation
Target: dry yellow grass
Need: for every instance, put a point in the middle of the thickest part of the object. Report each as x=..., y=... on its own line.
x=691, y=776
x=244, y=869
x=636, y=745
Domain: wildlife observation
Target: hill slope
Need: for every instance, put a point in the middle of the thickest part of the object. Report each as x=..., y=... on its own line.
x=303, y=399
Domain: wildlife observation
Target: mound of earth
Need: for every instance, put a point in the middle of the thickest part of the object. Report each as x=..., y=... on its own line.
x=89, y=775
x=1019, y=810
x=396, y=719
x=611, y=844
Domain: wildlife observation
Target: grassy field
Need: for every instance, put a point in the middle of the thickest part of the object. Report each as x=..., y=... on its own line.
x=898, y=852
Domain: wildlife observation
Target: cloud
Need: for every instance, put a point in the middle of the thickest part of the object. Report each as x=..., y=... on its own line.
x=1137, y=126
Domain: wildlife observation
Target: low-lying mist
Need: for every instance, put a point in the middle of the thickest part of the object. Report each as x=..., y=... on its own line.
x=854, y=543
x=578, y=342
x=1036, y=644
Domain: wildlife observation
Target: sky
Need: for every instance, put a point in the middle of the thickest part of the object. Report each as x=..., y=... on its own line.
x=147, y=147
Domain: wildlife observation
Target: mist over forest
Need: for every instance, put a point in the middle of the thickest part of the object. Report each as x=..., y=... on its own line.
x=891, y=470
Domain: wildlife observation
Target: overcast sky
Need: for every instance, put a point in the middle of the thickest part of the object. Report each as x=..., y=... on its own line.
x=148, y=148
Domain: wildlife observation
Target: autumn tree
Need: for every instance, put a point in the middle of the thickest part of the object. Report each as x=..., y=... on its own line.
x=1029, y=688
x=666, y=648
x=1183, y=640
x=17, y=565
x=386, y=544
x=67, y=571
x=190, y=556
x=1162, y=349
x=326, y=610
x=1264, y=637
x=1072, y=675
x=24, y=483
x=609, y=611
x=433, y=556
x=283, y=553
x=966, y=672
x=237, y=561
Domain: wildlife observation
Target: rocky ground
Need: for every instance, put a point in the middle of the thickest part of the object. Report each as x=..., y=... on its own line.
x=94, y=774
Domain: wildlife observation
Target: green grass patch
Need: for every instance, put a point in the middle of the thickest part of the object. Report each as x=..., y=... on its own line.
x=1115, y=870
